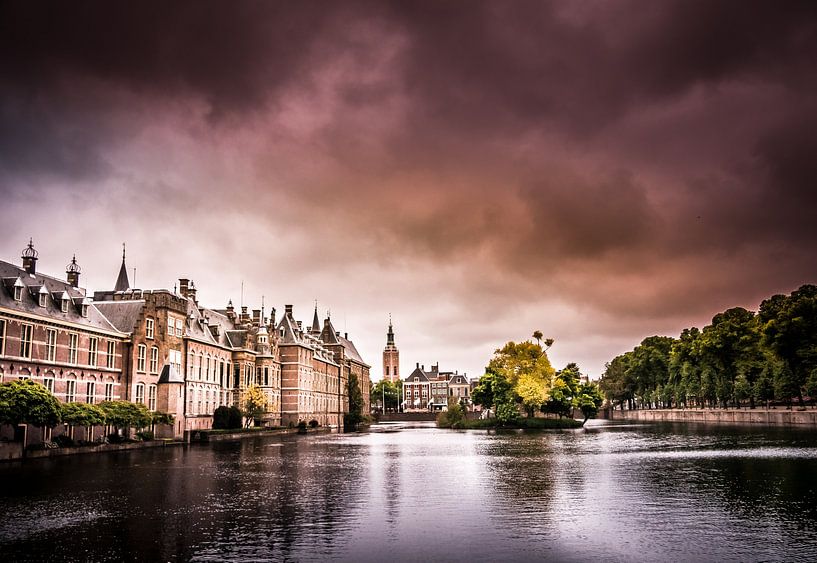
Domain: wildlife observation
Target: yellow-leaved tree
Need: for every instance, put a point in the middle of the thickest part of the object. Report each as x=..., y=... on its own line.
x=255, y=404
x=525, y=367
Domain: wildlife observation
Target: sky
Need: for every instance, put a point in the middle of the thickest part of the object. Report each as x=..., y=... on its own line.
x=599, y=171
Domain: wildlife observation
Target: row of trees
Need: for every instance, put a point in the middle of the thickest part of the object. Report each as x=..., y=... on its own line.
x=387, y=394
x=24, y=401
x=741, y=358
x=520, y=376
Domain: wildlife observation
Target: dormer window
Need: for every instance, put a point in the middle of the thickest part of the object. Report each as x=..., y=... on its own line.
x=84, y=309
x=64, y=304
x=43, y=299
x=18, y=293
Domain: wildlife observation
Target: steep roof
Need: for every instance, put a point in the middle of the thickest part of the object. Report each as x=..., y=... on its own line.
x=122, y=282
x=121, y=314
x=423, y=376
x=351, y=351
x=11, y=275
x=316, y=324
x=170, y=375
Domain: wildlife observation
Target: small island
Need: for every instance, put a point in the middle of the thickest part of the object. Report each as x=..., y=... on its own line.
x=519, y=384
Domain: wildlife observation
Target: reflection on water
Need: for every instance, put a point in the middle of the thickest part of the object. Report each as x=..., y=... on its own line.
x=613, y=492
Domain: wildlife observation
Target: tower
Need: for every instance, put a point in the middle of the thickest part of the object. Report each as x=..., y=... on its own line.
x=391, y=357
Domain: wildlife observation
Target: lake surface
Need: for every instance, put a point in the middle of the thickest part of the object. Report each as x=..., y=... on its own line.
x=620, y=492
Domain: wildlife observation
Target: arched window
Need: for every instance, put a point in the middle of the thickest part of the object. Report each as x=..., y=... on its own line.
x=90, y=392
x=140, y=357
x=71, y=388
x=140, y=393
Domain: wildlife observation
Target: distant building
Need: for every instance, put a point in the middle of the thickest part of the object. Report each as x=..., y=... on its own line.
x=433, y=390
x=391, y=357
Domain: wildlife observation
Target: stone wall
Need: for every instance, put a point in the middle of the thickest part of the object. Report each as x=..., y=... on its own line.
x=780, y=416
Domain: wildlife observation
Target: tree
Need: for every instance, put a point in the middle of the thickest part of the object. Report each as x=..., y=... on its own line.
x=617, y=383
x=221, y=418
x=234, y=419
x=525, y=368
x=789, y=326
x=588, y=400
x=537, y=335
x=124, y=414
x=24, y=401
x=255, y=404
x=355, y=414
x=491, y=390
x=388, y=391
x=563, y=391
x=82, y=414
x=161, y=418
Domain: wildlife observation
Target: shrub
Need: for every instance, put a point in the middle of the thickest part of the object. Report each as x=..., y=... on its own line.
x=302, y=426
x=64, y=441
x=234, y=418
x=146, y=435
x=313, y=423
x=221, y=418
x=114, y=438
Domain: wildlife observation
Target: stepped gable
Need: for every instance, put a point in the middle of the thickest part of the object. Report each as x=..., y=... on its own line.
x=33, y=284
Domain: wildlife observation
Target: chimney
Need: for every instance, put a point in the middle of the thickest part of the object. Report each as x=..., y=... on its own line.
x=418, y=365
x=184, y=283
x=346, y=335
x=256, y=317
x=288, y=310
x=272, y=317
x=73, y=270
x=244, y=316
x=29, y=257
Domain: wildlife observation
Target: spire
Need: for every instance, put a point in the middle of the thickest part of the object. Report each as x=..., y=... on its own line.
x=390, y=334
x=316, y=324
x=122, y=282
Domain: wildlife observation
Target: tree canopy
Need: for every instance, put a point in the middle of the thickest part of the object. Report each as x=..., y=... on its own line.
x=24, y=401
x=255, y=404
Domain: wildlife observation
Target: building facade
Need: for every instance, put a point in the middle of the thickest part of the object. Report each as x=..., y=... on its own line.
x=433, y=390
x=52, y=333
x=165, y=350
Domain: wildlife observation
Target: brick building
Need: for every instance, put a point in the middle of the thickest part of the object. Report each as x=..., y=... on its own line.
x=51, y=332
x=391, y=357
x=162, y=348
x=433, y=390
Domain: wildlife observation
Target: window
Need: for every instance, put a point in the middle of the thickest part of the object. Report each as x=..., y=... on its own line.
x=64, y=304
x=25, y=340
x=70, y=391
x=140, y=358
x=18, y=293
x=84, y=309
x=93, y=345
x=90, y=395
x=43, y=299
x=149, y=328
x=140, y=393
x=152, y=397
x=175, y=360
x=387, y=370
x=179, y=327
x=2, y=337
x=201, y=363
x=109, y=391
x=207, y=373
x=395, y=370
x=111, y=359
x=51, y=345
x=48, y=381
x=416, y=379
x=170, y=324
x=154, y=360
x=72, y=348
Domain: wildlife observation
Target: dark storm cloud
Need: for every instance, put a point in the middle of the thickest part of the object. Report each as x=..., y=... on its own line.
x=648, y=162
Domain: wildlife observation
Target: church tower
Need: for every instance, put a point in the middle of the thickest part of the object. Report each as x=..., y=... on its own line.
x=391, y=357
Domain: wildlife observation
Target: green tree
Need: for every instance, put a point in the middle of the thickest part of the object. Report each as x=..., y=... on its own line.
x=355, y=415
x=617, y=383
x=388, y=391
x=589, y=400
x=789, y=327
x=124, y=414
x=221, y=418
x=563, y=391
x=255, y=404
x=649, y=367
x=82, y=414
x=24, y=401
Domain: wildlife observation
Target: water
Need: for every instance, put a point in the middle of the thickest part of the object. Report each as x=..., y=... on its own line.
x=610, y=492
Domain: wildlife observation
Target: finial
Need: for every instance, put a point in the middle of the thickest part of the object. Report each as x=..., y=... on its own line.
x=29, y=252
x=123, y=252
x=73, y=267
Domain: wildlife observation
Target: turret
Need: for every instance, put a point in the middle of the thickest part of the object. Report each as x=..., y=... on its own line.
x=73, y=270
x=29, y=257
